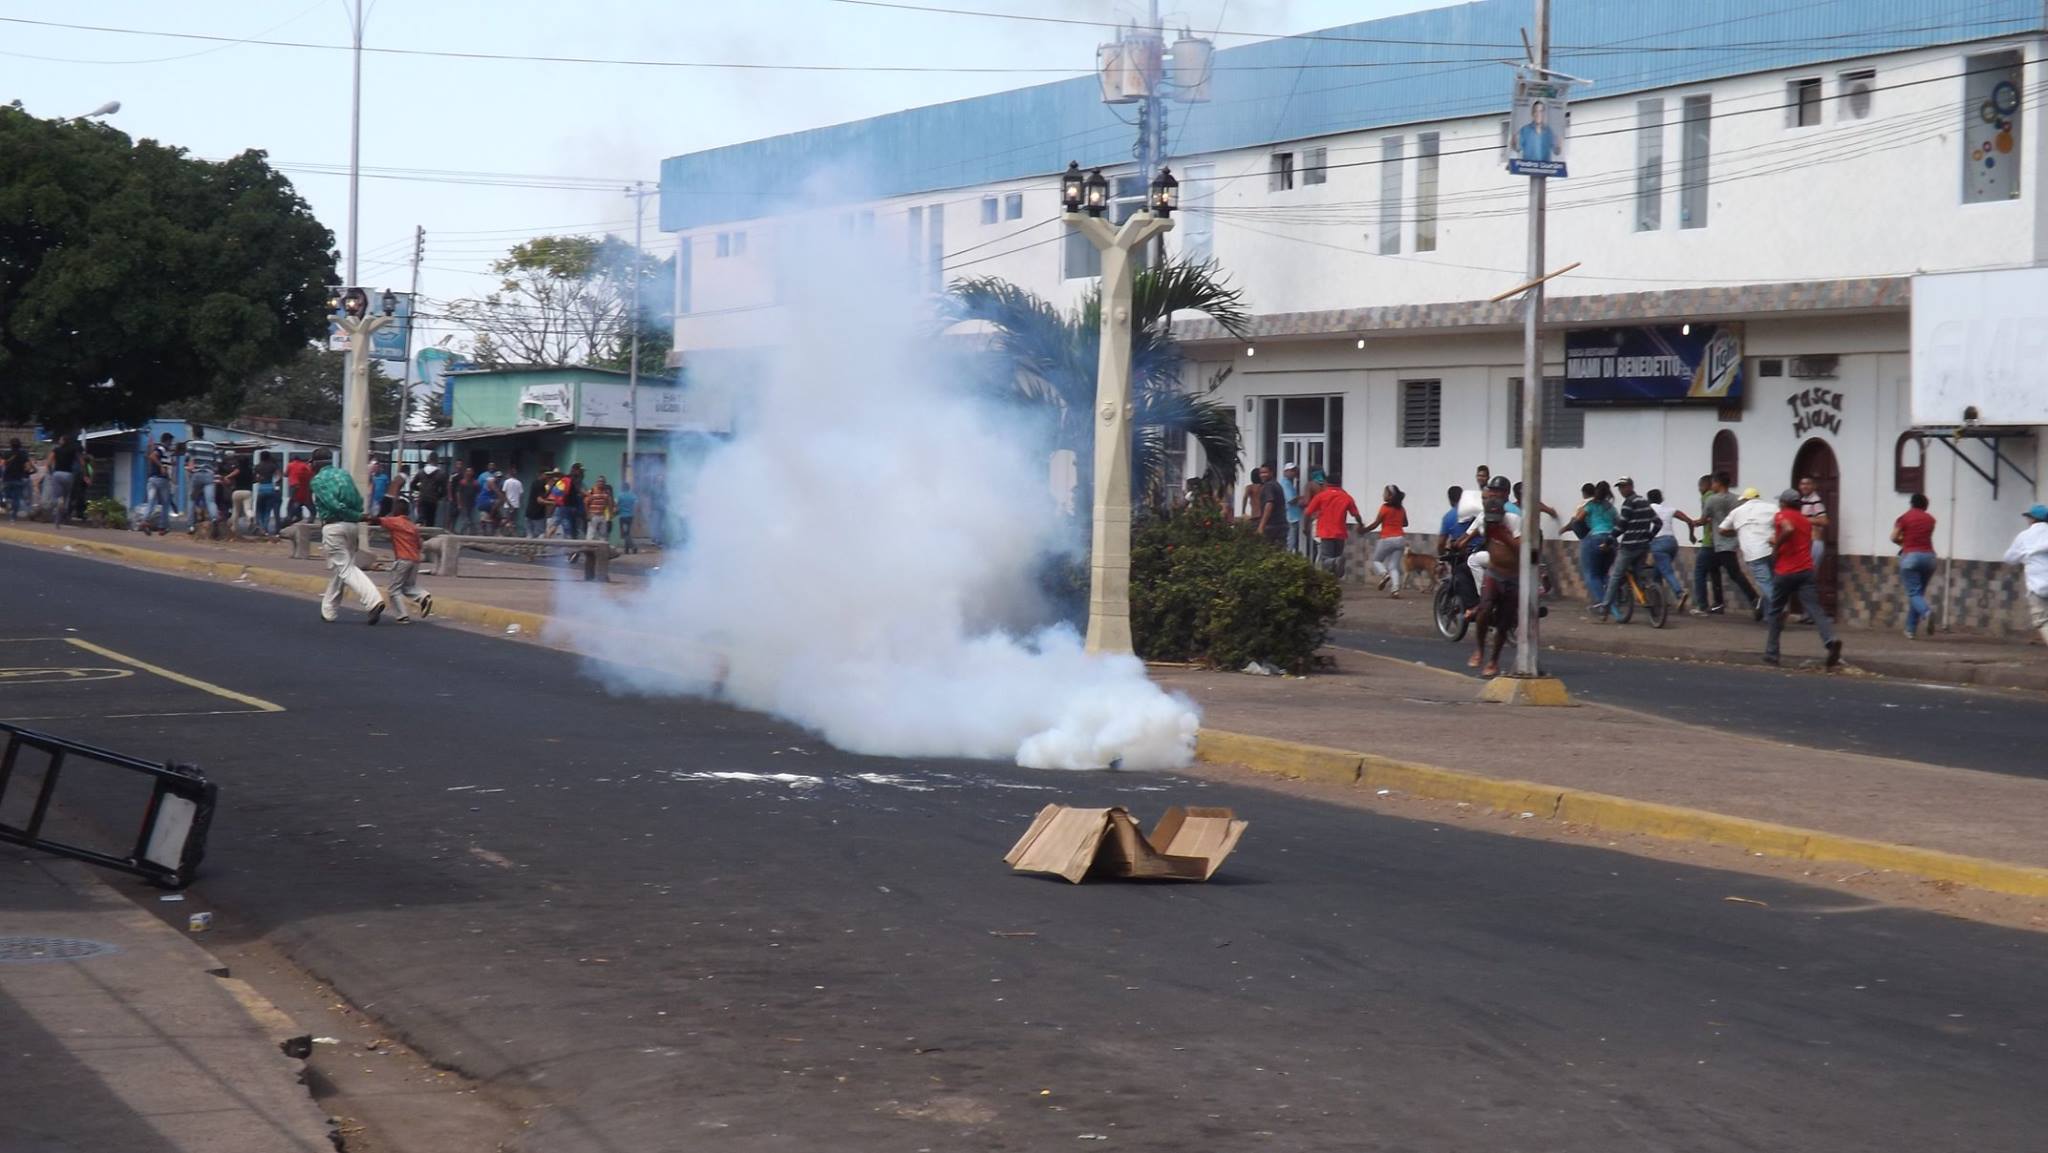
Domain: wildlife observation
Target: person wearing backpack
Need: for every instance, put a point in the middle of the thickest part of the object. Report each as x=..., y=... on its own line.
x=340, y=509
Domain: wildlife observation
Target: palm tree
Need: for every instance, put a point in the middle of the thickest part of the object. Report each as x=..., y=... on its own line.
x=1046, y=358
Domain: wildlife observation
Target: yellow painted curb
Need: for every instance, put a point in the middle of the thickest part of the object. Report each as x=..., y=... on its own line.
x=1542, y=692
x=1613, y=814
x=450, y=608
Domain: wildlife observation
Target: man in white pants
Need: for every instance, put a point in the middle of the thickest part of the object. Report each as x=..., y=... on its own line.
x=2030, y=549
x=340, y=509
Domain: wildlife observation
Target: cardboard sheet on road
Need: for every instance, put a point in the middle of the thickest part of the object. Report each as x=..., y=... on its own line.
x=1188, y=844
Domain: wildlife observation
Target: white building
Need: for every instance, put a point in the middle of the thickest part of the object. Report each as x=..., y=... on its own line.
x=1766, y=183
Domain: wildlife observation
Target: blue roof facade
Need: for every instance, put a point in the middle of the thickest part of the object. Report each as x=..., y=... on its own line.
x=1434, y=65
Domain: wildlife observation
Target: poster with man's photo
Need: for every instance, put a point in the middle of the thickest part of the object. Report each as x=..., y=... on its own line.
x=1540, y=127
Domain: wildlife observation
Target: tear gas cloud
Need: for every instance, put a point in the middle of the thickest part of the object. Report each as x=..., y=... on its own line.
x=862, y=556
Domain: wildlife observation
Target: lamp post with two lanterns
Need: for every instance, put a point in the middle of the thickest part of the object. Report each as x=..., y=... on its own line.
x=1086, y=200
x=358, y=323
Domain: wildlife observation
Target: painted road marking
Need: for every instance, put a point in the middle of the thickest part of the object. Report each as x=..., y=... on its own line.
x=257, y=703
x=46, y=676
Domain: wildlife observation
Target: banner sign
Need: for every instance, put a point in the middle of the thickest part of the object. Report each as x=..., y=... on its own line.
x=387, y=342
x=1653, y=365
x=1539, y=128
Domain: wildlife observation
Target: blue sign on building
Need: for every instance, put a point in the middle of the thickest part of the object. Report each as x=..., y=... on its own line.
x=1653, y=365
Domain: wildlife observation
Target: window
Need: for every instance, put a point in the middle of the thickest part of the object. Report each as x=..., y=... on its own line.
x=1697, y=128
x=913, y=237
x=1422, y=413
x=739, y=244
x=685, y=273
x=1992, y=85
x=1013, y=206
x=1649, y=165
x=1390, y=195
x=1315, y=166
x=935, y=266
x=1563, y=426
x=1427, y=147
x=1307, y=431
x=1281, y=177
x=1857, y=90
x=1197, y=224
x=731, y=244
x=988, y=210
x=1802, y=103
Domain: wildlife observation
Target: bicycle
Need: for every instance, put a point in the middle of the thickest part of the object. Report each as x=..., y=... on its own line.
x=1646, y=588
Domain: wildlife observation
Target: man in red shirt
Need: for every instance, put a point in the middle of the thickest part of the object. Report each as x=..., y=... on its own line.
x=298, y=484
x=1792, y=575
x=1328, y=508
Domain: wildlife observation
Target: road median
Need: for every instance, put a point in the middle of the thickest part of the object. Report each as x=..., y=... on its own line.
x=1614, y=814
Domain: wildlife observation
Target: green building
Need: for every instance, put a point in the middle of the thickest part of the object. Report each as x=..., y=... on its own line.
x=529, y=419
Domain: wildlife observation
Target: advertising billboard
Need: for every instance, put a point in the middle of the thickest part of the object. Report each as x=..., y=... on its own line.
x=1653, y=365
x=1540, y=128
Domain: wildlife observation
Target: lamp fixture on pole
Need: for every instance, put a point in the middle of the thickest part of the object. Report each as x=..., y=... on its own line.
x=1095, y=193
x=1070, y=186
x=1165, y=193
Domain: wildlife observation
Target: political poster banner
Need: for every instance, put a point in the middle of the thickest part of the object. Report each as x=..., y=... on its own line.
x=1653, y=365
x=1540, y=128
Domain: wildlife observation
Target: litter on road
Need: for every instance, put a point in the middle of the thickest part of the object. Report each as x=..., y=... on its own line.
x=1188, y=844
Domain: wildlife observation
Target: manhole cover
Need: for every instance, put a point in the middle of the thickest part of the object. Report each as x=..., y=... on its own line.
x=27, y=950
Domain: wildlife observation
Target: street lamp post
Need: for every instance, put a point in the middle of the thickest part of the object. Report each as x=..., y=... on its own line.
x=107, y=109
x=1109, y=567
x=358, y=322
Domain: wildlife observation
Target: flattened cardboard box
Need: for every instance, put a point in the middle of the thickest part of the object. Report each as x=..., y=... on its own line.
x=1187, y=845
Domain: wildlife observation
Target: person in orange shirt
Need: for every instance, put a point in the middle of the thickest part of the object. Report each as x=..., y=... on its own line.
x=1392, y=523
x=405, y=565
x=1328, y=509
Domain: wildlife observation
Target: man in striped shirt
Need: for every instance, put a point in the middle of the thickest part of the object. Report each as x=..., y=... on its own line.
x=1635, y=526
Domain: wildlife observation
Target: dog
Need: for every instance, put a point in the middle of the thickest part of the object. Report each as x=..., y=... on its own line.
x=1418, y=571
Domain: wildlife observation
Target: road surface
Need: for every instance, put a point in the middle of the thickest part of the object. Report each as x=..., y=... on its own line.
x=537, y=883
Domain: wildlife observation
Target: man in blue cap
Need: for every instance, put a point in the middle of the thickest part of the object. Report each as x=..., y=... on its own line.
x=2030, y=548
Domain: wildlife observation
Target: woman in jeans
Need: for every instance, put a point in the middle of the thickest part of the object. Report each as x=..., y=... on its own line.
x=1914, y=534
x=1595, y=519
x=1392, y=525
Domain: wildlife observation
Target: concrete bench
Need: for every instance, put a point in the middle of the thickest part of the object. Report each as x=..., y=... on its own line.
x=305, y=538
x=445, y=551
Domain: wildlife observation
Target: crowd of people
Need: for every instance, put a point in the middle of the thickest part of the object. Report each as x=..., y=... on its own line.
x=1767, y=552
x=53, y=486
x=492, y=502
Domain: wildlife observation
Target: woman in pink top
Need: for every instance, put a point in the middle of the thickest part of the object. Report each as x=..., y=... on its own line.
x=1914, y=534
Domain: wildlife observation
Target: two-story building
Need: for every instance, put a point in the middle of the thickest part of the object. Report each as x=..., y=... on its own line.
x=1752, y=188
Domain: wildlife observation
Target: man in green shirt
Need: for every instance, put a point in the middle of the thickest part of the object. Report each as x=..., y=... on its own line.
x=340, y=509
x=1716, y=559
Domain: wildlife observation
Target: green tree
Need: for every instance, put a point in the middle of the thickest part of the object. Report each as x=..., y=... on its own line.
x=568, y=300
x=307, y=387
x=133, y=275
x=1046, y=358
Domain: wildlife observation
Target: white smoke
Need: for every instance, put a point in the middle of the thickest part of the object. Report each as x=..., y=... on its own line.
x=863, y=554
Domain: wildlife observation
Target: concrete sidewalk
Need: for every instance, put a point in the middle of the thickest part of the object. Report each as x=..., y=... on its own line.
x=1396, y=714
x=117, y=1037
x=1948, y=658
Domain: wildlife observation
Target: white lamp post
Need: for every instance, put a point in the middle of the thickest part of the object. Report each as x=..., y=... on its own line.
x=107, y=109
x=358, y=322
x=1086, y=199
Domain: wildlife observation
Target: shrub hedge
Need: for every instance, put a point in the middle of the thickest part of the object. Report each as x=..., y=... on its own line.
x=1207, y=590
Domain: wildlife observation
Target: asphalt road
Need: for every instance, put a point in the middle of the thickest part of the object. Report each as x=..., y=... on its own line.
x=526, y=878
x=1996, y=732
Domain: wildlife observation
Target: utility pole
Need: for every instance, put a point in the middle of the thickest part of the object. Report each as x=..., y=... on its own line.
x=1152, y=129
x=639, y=194
x=1527, y=663
x=419, y=249
x=355, y=396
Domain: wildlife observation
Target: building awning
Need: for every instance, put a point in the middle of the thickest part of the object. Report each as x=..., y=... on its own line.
x=452, y=435
x=1891, y=294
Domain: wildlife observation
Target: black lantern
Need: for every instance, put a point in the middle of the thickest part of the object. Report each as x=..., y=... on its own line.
x=1095, y=193
x=1165, y=193
x=355, y=302
x=1070, y=187
x=390, y=299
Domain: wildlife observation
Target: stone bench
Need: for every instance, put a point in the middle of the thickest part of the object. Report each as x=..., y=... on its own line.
x=445, y=550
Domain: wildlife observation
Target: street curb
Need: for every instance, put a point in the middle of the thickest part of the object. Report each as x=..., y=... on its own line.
x=234, y=572
x=1610, y=813
x=1988, y=676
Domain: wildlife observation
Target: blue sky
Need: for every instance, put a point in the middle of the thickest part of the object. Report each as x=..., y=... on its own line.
x=598, y=125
